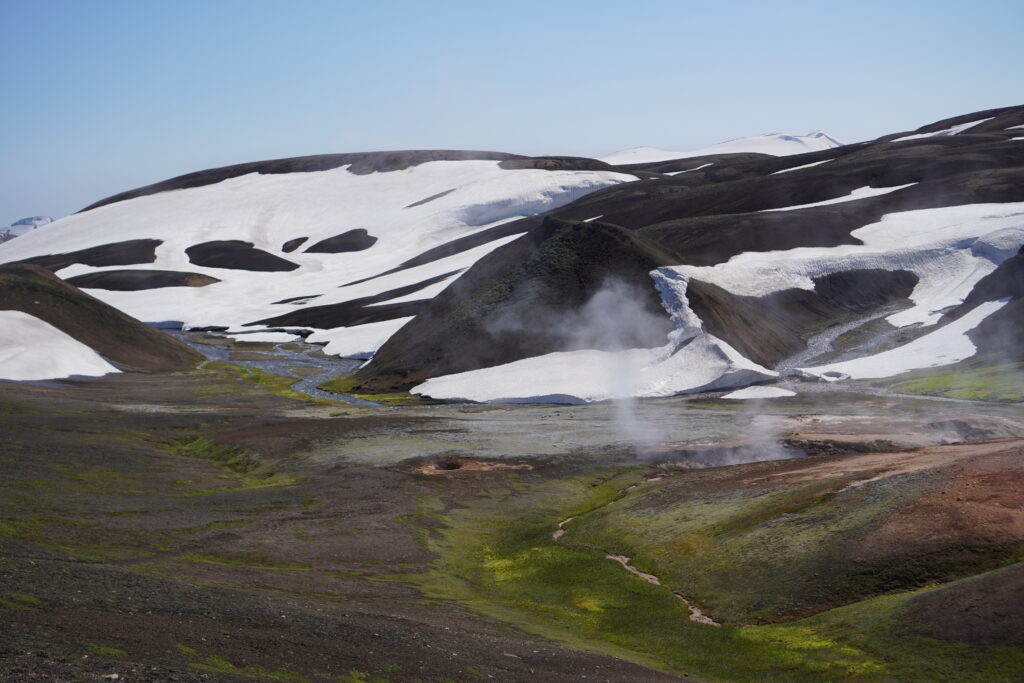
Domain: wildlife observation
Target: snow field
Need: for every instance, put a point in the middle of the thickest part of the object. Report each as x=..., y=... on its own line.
x=268, y=210
x=32, y=349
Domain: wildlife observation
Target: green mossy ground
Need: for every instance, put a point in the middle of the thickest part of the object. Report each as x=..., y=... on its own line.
x=976, y=380
x=497, y=556
x=345, y=384
x=250, y=469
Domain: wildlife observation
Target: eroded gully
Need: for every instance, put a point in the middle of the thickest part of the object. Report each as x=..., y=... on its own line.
x=696, y=614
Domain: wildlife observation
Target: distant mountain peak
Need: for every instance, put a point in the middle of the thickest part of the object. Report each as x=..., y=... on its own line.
x=772, y=144
x=20, y=227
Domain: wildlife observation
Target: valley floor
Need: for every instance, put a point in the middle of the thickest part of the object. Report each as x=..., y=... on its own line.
x=213, y=525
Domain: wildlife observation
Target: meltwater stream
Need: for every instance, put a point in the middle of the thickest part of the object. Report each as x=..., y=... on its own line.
x=282, y=361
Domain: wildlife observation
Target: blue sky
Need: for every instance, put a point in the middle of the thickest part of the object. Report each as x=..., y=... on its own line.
x=107, y=95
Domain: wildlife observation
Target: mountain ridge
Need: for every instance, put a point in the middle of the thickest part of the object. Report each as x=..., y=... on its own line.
x=464, y=244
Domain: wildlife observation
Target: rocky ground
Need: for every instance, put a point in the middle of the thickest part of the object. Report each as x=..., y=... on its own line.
x=213, y=525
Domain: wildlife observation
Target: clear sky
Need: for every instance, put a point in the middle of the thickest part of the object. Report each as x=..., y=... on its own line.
x=101, y=96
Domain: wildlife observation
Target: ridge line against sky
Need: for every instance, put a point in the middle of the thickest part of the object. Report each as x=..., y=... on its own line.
x=104, y=97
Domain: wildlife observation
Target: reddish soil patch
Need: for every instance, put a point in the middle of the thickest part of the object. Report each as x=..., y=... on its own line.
x=982, y=504
x=455, y=466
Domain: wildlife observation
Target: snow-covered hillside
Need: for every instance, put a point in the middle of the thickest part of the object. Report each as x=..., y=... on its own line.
x=491, y=277
x=403, y=214
x=777, y=144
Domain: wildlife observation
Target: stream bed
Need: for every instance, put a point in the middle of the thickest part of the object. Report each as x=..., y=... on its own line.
x=285, y=361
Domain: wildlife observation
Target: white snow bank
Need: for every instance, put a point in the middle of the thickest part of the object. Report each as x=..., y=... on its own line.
x=859, y=193
x=952, y=130
x=690, y=170
x=359, y=341
x=948, y=248
x=797, y=168
x=31, y=349
x=759, y=392
x=777, y=144
x=701, y=364
x=946, y=345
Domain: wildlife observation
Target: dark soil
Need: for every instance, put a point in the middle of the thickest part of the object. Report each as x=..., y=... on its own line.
x=134, y=280
x=293, y=244
x=351, y=240
x=237, y=255
x=125, y=253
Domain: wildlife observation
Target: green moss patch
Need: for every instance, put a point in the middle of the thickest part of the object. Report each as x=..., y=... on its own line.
x=975, y=381
x=105, y=651
x=250, y=560
x=346, y=383
x=251, y=470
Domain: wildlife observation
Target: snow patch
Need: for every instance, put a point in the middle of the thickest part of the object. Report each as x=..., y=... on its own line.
x=947, y=345
x=358, y=341
x=704, y=364
x=952, y=130
x=759, y=392
x=32, y=349
x=690, y=170
x=797, y=168
x=859, y=193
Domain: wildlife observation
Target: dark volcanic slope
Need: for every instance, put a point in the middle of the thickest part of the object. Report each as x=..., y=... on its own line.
x=117, y=337
x=1001, y=335
x=370, y=309
x=528, y=298
x=293, y=244
x=134, y=280
x=350, y=240
x=705, y=217
x=772, y=328
x=236, y=255
x=359, y=163
x=125, y=253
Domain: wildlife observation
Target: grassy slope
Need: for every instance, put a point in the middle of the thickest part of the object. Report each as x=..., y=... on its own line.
x=978, y=379
x=497, y=556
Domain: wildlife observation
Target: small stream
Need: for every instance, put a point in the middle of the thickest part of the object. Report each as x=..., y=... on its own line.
x=281, y=361
x=696, y=614
x=821, y=343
